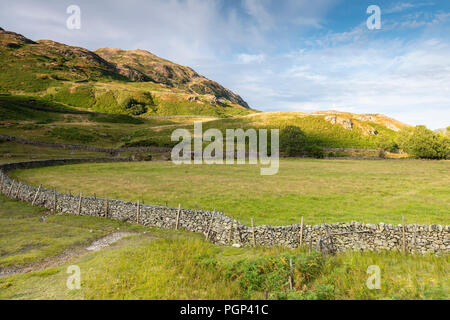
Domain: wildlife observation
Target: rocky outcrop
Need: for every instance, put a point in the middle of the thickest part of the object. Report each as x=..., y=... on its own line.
x=346, y=123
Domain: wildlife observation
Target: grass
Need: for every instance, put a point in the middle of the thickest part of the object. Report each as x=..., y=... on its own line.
x=333, y=190
x=24, y=239
x=16, y=152
x=164, y=264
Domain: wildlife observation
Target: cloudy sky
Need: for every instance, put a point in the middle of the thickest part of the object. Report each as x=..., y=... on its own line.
x=290, y=55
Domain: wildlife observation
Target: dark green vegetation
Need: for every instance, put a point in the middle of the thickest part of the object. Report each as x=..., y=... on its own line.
x=178, y=265
x=334, y=190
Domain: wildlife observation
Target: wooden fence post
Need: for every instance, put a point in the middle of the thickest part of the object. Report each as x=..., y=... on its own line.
x=415, y=238
x=10, y=188
x=1, y=182
x=301, y=234
x=106, y=208
x=403, y=235
x=178, y=216
x=79, y=204
x=230, y=235
x=36, y=195
x=210, y=225
x=55, y=203
x=291, y=275
x=253, y=233
x=138, y=209
x=18, y=189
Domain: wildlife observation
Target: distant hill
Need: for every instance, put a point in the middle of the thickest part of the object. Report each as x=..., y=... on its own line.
x=110, y=80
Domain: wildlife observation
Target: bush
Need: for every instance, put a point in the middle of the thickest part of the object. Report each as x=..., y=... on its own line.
x=272, y=273
x=315, y=152
x=420, y=142
x=386, y=143
x=133, y=107
x=292, y=141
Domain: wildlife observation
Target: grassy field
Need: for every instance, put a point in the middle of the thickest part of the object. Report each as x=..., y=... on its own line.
x=161, y=264
x=330, y=190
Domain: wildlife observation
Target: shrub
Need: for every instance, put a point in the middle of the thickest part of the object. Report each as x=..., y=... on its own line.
x=420, y=142
x=315, y=152
x=133, y=107
x=386, y=143
x=292, y=141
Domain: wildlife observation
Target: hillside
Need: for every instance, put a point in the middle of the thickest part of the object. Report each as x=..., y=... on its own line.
x=114, y=81
x=143, y=66
x=37, y=77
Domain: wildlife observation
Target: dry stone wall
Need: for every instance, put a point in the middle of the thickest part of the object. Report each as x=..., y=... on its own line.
x=221, y=229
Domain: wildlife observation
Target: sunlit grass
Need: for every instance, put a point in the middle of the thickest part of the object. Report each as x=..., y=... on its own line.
x=330, y=190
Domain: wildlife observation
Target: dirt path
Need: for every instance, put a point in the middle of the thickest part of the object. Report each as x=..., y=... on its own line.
x=65, y=256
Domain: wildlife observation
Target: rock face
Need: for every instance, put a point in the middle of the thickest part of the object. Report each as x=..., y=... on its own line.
x=346, y=123
x=220, y=229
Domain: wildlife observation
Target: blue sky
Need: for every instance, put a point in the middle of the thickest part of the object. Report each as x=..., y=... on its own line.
x=291, y=55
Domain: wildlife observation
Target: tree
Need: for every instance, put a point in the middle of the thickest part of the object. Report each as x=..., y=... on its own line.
x=292, y=141
x=386, y=143
x=420, y=142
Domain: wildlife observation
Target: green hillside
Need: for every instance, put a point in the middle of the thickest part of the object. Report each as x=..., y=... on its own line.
x=83, y=79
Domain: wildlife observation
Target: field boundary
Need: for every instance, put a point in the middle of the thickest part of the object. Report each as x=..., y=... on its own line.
x=58, y=145
x=223, y=230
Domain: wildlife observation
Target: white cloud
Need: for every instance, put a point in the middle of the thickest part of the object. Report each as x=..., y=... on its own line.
x=251, y=58
x=257, y=9
x=402, y=6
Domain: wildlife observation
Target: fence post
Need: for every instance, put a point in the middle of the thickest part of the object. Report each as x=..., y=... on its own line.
x=210, y=225
x=36, y=195
x=55, y=203
x=230, y=235
x=79, y=204
x=301, y=234
x=138, y=209
x=253, y=233
x=403, y=235
x=178, y=216
x=415, y=238
x=106, y=208
x=1, y=182
x=18, y=189
x=291, y=275
x=10, y=188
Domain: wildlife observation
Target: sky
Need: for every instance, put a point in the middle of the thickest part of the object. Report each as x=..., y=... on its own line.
x=279, y=55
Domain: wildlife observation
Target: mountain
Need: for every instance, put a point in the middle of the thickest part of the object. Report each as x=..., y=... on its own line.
x=110, y=80
x=143, y=66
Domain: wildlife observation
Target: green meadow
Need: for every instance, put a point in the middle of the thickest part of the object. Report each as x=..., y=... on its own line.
x=319, y=190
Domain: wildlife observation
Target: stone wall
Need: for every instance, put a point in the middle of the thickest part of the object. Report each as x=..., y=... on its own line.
x=220, y=229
